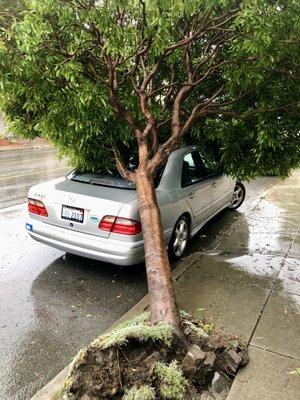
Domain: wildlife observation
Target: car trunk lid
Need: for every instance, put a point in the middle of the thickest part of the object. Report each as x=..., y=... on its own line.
x=69, y=198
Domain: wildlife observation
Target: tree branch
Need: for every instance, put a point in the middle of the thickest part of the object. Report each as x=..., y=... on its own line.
x=121, y=167
x=118, y=107
x=199, y=110
x=162, y=88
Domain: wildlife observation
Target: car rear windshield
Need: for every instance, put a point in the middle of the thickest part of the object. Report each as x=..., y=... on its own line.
x=112, y=178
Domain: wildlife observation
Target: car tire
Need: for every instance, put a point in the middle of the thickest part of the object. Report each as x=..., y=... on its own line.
x=179, y=239
x=238, y=196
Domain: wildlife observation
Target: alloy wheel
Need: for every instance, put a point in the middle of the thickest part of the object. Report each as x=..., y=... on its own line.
x=237, y=197
x=180, y=237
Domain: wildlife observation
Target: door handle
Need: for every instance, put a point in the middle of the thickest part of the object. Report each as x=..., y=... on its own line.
x=191, y=195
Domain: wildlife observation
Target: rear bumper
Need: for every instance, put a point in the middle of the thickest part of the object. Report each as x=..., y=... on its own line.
x=103, y=249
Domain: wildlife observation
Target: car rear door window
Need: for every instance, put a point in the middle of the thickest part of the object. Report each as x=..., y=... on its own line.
x=193, y=169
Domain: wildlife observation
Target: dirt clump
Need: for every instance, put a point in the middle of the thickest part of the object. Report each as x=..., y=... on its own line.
x=138, y=361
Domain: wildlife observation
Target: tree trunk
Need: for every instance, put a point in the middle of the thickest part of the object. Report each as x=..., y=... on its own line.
x=163, y=306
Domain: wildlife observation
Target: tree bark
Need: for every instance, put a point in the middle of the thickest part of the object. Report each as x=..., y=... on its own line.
x=163, y=305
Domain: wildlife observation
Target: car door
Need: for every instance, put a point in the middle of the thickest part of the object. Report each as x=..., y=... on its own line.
x=196, y=186
x=222, y=188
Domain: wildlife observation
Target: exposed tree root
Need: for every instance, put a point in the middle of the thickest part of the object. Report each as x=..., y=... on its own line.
x=138, y=361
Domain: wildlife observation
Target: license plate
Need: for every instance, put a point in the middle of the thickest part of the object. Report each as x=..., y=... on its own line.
x=72, y=213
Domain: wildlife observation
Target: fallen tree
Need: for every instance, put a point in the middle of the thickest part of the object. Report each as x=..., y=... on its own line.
x=99, y=77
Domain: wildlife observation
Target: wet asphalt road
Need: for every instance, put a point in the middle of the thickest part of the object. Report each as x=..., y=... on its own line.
x=22, y=168
x=52, y=304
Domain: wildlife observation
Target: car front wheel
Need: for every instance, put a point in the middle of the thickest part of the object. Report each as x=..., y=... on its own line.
x=179, y=239
x=238, y=196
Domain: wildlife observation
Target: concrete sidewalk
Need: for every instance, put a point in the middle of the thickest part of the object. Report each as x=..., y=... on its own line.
x=250, y=286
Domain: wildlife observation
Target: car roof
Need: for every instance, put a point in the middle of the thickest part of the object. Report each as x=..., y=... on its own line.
x=185, y=148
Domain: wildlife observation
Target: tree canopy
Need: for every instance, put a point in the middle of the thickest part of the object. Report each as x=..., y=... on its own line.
x=90, y=75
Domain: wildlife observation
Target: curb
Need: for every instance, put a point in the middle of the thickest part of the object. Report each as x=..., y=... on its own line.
x=57, y=382
x=24, y=147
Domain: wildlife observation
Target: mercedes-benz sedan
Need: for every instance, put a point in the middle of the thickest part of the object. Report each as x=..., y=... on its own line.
x=95, y=215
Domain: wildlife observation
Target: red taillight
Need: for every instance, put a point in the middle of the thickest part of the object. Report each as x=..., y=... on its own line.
x=120, y=225
x=107, y=223
x=126, y=226
x=37, y=207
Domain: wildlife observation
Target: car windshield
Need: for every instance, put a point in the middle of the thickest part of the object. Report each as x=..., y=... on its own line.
x=112, y=177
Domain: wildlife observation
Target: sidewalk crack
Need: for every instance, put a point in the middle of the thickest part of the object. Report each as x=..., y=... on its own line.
x=273, y=352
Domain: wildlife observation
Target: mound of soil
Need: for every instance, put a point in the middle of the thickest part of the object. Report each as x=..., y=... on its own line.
x=139, y=364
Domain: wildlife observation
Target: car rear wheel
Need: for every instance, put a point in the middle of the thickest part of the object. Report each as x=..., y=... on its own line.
x=180, y=238
x=238, y=196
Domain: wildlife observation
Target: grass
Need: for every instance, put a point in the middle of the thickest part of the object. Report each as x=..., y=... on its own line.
x=172, y=382
x=142, y=393
x=202, y=331
x=138, y=328
x=60, y=395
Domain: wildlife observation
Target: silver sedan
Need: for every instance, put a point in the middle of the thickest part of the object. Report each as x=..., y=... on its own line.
x=95, y=215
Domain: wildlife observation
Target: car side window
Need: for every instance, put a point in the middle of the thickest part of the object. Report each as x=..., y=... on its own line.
x=211, y=166
x=193, y=169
